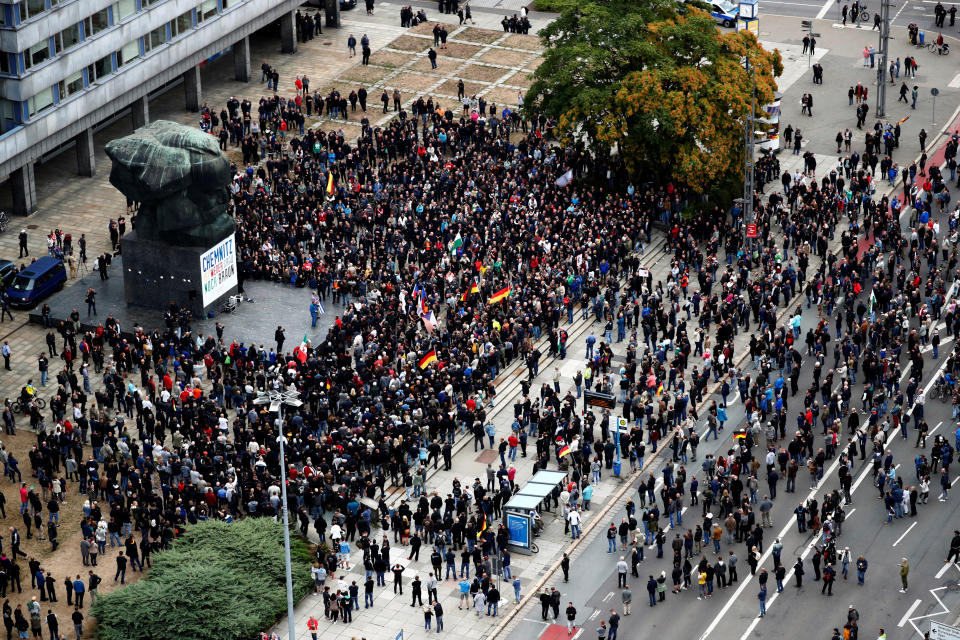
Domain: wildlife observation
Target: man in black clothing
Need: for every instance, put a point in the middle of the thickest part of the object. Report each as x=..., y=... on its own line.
x=417, y=593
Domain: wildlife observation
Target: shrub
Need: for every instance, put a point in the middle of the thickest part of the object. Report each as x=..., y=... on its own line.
x=217, y=582
x=550, y=5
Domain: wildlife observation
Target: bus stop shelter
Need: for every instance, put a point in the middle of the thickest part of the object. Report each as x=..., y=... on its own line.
x=528, y=499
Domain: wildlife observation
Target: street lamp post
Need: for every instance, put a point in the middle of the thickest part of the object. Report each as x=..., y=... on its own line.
x=277, y=400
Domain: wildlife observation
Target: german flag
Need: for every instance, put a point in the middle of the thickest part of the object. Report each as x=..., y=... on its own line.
x=330, y=183
x=427, y=359
x=483, y=526
x=500, y=295
x=564, y=450
x=474, y=288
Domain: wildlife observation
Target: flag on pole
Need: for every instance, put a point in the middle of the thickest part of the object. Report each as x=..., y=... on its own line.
x=565, y=179
x=330, y=183
x=457, y=244
x=474, y=288
x=301, y=351
x=429, y=321
x=500, y=295
x=427, y=359
x=871, y=302
x=483, y=526
x=320, y=308
x=564, y=451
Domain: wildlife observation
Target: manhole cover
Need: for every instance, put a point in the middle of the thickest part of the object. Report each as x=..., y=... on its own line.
x=327, y=44
x=32, y=226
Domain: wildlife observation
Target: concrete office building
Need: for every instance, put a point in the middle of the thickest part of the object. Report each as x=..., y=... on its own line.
x=67, y=65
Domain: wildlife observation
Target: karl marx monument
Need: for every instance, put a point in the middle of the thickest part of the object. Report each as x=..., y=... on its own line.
x=183, y=248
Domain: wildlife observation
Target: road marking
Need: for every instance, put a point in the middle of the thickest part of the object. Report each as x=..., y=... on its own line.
x=593, y=615
x=826, y=7
x=906, y=616
x=944, y=569
x=955, y=481
x=900, y=539
x=546, y=624
x=791, y=522
x=850, y=514
x=943, y=607
x=608, y=596
x=935, y=428
x=955, y=83
x=578, y=633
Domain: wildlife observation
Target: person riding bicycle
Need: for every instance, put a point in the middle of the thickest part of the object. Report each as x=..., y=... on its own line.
x=27, y=392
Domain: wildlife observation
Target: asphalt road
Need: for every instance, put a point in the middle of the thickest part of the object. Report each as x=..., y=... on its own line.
x=902, y=13
x=732, y=613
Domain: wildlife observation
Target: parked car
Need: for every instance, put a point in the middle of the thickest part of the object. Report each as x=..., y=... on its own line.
x=7, y=270
x=36, y=282
x=724, y=12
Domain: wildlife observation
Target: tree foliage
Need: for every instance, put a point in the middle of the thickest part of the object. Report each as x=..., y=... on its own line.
x=217, y=582
x=657, y=81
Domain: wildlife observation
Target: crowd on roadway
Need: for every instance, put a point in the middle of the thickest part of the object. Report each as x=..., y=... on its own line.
x=454, y=238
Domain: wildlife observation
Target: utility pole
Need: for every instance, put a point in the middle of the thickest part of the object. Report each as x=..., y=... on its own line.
x=884, y=49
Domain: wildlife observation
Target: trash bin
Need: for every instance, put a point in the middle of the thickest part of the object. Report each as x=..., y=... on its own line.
x=616, y=468
x=922, y=34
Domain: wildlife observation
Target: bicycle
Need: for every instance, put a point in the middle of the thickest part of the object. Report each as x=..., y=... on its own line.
x=863, y=16
x=18, y=406
x=942, y=50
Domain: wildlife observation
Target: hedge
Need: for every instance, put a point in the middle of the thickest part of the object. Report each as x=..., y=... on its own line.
x=217, y=582
x=550, y=5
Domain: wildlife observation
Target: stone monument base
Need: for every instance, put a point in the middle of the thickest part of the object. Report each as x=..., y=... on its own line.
x=156, y=274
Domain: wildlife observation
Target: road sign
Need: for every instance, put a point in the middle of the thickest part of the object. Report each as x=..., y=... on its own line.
x=399, y=635
x=751, y=230
x=934, y=91
x=940, y=631
x=815, y=35
x=807, y=25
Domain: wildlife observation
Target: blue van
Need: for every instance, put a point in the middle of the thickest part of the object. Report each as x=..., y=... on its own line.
x=36, y=282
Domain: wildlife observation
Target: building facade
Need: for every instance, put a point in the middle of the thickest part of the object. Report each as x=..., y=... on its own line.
x=67, y=65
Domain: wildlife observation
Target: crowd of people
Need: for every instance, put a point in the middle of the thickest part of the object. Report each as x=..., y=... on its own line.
x=454, y=238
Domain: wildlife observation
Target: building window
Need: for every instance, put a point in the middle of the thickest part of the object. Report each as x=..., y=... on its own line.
x=36, y=54
x=40, y=102
x=129, y=53
x=96, y=23
x=206, y=10
x=31, y=8
x=124, y=9
x=8, y=118
x=71, y=85
x=182, y=24
x=100, y=69
x=5, y=66
x=67, y=38
x=155, y=38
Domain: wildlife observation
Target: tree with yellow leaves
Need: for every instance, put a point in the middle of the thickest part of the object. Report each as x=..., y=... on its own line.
x=656, y=81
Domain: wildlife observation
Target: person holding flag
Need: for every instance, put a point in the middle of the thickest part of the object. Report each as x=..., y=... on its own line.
x=301, y=351
x=500, y=295
x=428, y=359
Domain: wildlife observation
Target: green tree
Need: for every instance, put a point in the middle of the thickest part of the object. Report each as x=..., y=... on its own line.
x=655, y=80
x=218, y=581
